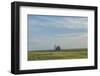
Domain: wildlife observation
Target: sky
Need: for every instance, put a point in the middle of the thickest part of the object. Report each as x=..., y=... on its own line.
x=68, y=32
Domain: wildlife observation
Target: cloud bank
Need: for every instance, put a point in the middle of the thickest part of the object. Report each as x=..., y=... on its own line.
x=66, y=31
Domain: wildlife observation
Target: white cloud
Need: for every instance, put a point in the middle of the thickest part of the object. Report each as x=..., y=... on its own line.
x=65, y=41
x=72, y=23
x=66, y=22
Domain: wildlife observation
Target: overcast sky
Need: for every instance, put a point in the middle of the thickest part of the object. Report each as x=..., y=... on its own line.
x=44, y=32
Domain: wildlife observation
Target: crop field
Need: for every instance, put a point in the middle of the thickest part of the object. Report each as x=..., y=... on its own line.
x=61, y=54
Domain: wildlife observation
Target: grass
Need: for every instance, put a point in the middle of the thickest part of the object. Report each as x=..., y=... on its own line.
x=62, y=54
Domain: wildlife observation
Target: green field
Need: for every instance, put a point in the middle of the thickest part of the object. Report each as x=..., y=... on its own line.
x=62, y=54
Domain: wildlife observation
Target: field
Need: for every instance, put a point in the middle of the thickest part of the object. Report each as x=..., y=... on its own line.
x=62, y=54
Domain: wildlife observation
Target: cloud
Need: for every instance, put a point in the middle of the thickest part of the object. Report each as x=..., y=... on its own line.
x=59, y=21
x=65, y=41
x=46, y=31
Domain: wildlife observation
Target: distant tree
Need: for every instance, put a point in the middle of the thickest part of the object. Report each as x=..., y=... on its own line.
x=57, y=48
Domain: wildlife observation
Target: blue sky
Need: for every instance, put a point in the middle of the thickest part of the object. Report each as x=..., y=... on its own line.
x=66, y=31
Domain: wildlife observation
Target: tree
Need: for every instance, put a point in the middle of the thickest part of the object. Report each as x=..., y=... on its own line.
x=57, y=48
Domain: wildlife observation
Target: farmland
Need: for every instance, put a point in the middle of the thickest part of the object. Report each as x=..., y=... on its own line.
x=62, y=54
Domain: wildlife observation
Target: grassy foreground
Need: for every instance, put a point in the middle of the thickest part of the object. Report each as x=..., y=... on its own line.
x=62, y=54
